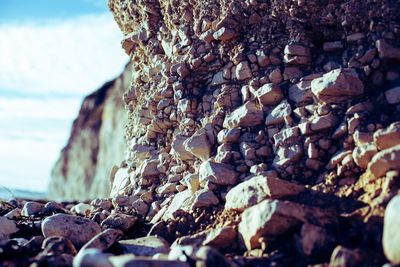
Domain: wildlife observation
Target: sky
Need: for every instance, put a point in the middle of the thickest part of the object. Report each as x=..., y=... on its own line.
x=52, y=54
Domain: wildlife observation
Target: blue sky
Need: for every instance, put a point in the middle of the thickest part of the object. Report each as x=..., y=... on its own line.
x=52, y=54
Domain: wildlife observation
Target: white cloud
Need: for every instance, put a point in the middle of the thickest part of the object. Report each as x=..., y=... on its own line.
x=71, y=57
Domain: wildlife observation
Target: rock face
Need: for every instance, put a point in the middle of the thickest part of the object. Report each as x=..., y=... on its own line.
x=95, y=145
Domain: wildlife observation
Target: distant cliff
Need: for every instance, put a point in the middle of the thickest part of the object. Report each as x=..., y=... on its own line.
x=96, y=144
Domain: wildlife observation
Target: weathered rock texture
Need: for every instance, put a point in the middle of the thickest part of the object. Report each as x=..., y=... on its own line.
x=95, y=145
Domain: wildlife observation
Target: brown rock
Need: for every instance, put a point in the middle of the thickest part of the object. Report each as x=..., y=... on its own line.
x=388, y=137
x=279, y=114
x=218, y=173
x=144, y=246
x=363, y=154
x=225, y=34
x=199, y=145
x=243, y=71
x=385, y=161
x=387, y=51
x=247, y=115
x=269, y=94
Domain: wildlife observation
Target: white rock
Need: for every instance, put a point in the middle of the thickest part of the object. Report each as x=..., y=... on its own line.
x=391, y=233
x=205, y=198
x=82, y=209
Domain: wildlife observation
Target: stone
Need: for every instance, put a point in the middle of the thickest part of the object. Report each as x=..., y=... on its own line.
x=149, y=168
x=391, y=236
x=102, y=203
x=314, y=240
x=287, y=155
x=387, y=137
x=181, y=201
x=13, y=214
x=178, y=148
x=8, y=227
x=297, y=50
x=243, y=71
x=120, y=181
x=218, y=173
x=144, y=246
x=141, y=207
x=278, y=114
x=269, y=94
x=91, y=258
x=221, y=237
x=103, y=240
x=77, y=229
x=248, y=115
x=337, y=86
x=205, y=198
x=332, y=46
x=132, y=261
x=385, y=161
x=324, y=122
x=32, y=209
x=271, y=218
x=387, y=51
x=199, y=145
x=258, y=188
x=192, y=182
x=82, y=209
x=393, y=95
x=228, y=135
x=225, y=34
x=275, y=76
x=342, y=256
x=119, y=221
x=301, y=93
x=363, y=154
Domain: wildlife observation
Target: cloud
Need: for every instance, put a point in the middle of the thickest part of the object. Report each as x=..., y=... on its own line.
x=71, y=57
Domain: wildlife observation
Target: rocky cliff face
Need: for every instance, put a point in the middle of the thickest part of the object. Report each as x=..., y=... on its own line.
x=96, y=144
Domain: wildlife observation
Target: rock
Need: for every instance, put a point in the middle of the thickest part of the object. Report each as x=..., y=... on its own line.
x=393, y=95
x=332, y=46
x=385, y=161
x=279, y=114
x=205, y=198
x=315, y=240
x=149, y=168
x=192, y=182
x=342, y=256
x=120, y=181
x=207, y=257
x=388, y=137
x=91, y=258
x=132, y=261
x=275, y=76
x=8, y=227
x=178, y=148
x=269, y=94
x=243, y=71
x=391, y=236
x=58, y=245
x=287, y=155
x=225, y=34
x=32, y=209
x=271, y=218
x=199, y=145
x=258, y=188
x=387, y=51
x=144, y=246
x=82, y=209
x=228, y=135
x=218, y=173
x=103, y=240
x=182, y=200
x=77, y=229
x=248, y=115
x=220, y=237
x=13, y=214
x=301, y=93
x=324, y=122
x=119, y=221
x=337, y=86
x=102, y=203
x=297, y=50
x=363, y=154
x=141, y=207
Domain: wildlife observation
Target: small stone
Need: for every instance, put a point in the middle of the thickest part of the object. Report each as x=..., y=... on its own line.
x=258, y=188
x=333, y=46
x=393, y=95
x=141, y=207
x=297, y=50
x=149, y=168
x=7, y=228
x=103, y=240
x=337, y=86
x=391, y=235
x=269, y=94
x=91, y=258
x=32, y=209
x=388, y=137
x=181, y=201
x=144, y=246
x=205, y=198
x=218, y=173
x=279, y=114
x=77, y=229
x=225, y=34
x=119, y=221
x=248, y=115
x=275, y=76
x=13, y=214
x=301, y=93
x=243, y=71
x=228, y=135
x=119, y=182
x=82, y=209
x=315, y=240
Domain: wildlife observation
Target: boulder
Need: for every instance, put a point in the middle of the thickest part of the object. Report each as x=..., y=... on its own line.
x=363, y=154
x=278, y=114
x=77, y=229
x=258, y=188
x=248, y=115
x=199, y=145
x=391, y=234
x=388, y=137
x=269, y=94
x=337, y=86
x=218, y=173
x=205, y=198
x=385, y=161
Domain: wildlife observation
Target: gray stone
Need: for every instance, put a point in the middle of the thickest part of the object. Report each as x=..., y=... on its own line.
x=248, y=115
x=269, y=94
x=144, y=246
x=103, y=240
x=7, y=228
x=218, y=173
x=91, y=258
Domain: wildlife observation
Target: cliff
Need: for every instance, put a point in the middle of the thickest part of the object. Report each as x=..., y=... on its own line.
x=95, y=145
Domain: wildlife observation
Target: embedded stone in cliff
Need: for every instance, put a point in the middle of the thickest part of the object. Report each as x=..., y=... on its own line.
x=324, y=122
x=182, y=200
x=144, y=246
x=225, y=34
x=258, y=188
x=205, y=198
x=385, y=161
x=269, y=94
x=78, y=230
x=248, y=115
x=229, y=135
x=199, y=145
x=178, y=148
x=8, y=227
x=243, y=71
x=120, y=181
x=386, y=51
x=391, y=234
x=388, y=137
x=278, y=114
x=296, y=54
x=218, y=173
x=300, y=93
x=337, y=86
x=149, y=168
